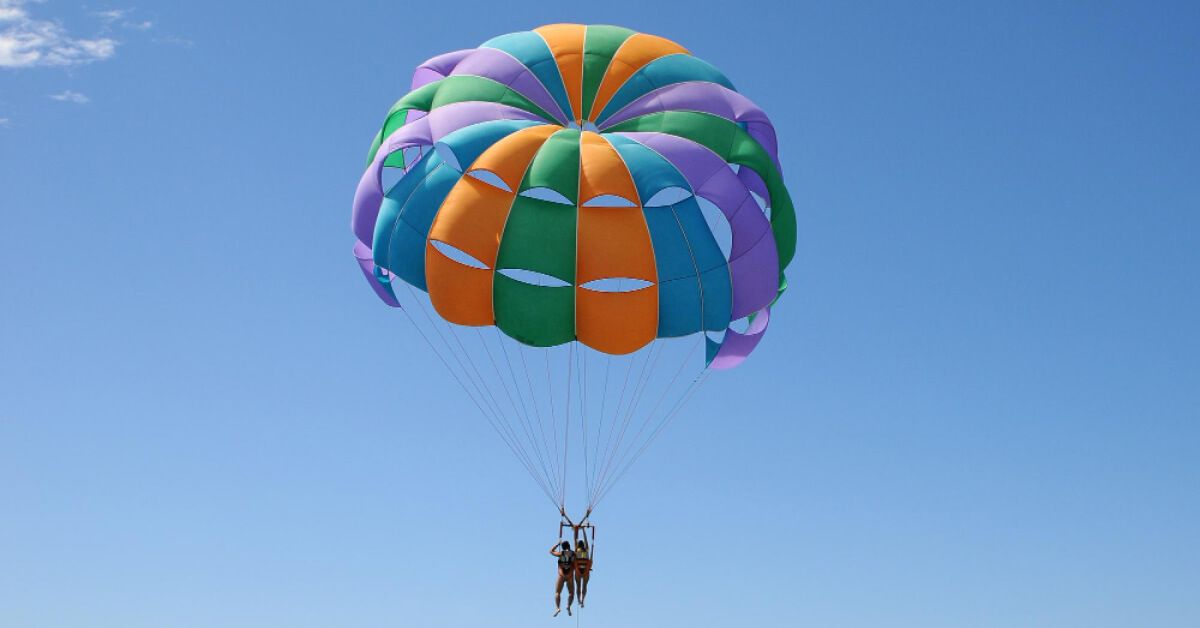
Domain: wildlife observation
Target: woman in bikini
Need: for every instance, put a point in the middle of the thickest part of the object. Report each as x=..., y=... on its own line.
x=566, y=575
x=583, y=568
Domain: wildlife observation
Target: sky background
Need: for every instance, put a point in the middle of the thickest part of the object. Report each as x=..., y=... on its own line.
x=978, y=405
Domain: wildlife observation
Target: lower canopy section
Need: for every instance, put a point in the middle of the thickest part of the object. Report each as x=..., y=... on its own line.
x=615, y=323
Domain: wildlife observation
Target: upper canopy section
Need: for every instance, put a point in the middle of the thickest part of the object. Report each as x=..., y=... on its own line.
x=580, y=182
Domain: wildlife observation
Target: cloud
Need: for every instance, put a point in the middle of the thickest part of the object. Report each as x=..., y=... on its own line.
x=10, y=11
x=5, y=123
x=26, y=41
x=174, y=40
x=111, y=15
x=70, y=96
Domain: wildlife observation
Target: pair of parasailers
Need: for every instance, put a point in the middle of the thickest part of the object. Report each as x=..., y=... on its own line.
x=574, y=570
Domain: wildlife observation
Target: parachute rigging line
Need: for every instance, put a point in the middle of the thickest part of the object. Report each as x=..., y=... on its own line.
x=487, y=415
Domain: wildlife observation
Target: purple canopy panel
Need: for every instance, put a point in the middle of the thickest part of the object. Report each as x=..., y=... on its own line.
x=748, y=225
x=753, y=182
x=754, y=265
x=755, y=277
x=437, y=68
x=463, y=114
x=414, y=115
x=366, y=263
x=711, y=178
x=504, y=69
x=708, y=98
x=425, y=131
x=737, y=347
x=707, y=174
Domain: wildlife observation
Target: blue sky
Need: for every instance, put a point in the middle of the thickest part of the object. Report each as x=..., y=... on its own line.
x=979, y=404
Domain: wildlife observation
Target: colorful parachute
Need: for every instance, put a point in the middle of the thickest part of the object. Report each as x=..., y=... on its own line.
x=586, y=188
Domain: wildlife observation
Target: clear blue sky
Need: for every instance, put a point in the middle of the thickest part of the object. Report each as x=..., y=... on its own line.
x=979, y=404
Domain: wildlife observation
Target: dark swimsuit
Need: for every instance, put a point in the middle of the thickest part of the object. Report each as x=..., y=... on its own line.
x=566, y=562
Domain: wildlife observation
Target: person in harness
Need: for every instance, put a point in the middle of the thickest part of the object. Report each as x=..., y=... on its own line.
x=566, y=575
x=583, y=568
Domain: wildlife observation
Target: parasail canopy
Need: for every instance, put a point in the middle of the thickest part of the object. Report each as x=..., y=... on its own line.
x=581, y=188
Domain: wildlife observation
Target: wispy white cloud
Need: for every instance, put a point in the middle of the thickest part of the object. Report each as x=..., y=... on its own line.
x=174, y=40
x=5, y=122
x=10, y=11
x=70, y=96
x=111, y=15
x=27, y=41
x=111, y=18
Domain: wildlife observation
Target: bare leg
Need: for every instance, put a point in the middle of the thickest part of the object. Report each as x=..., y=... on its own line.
x=558, y=586
x=583, y=582
x=570, y=593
